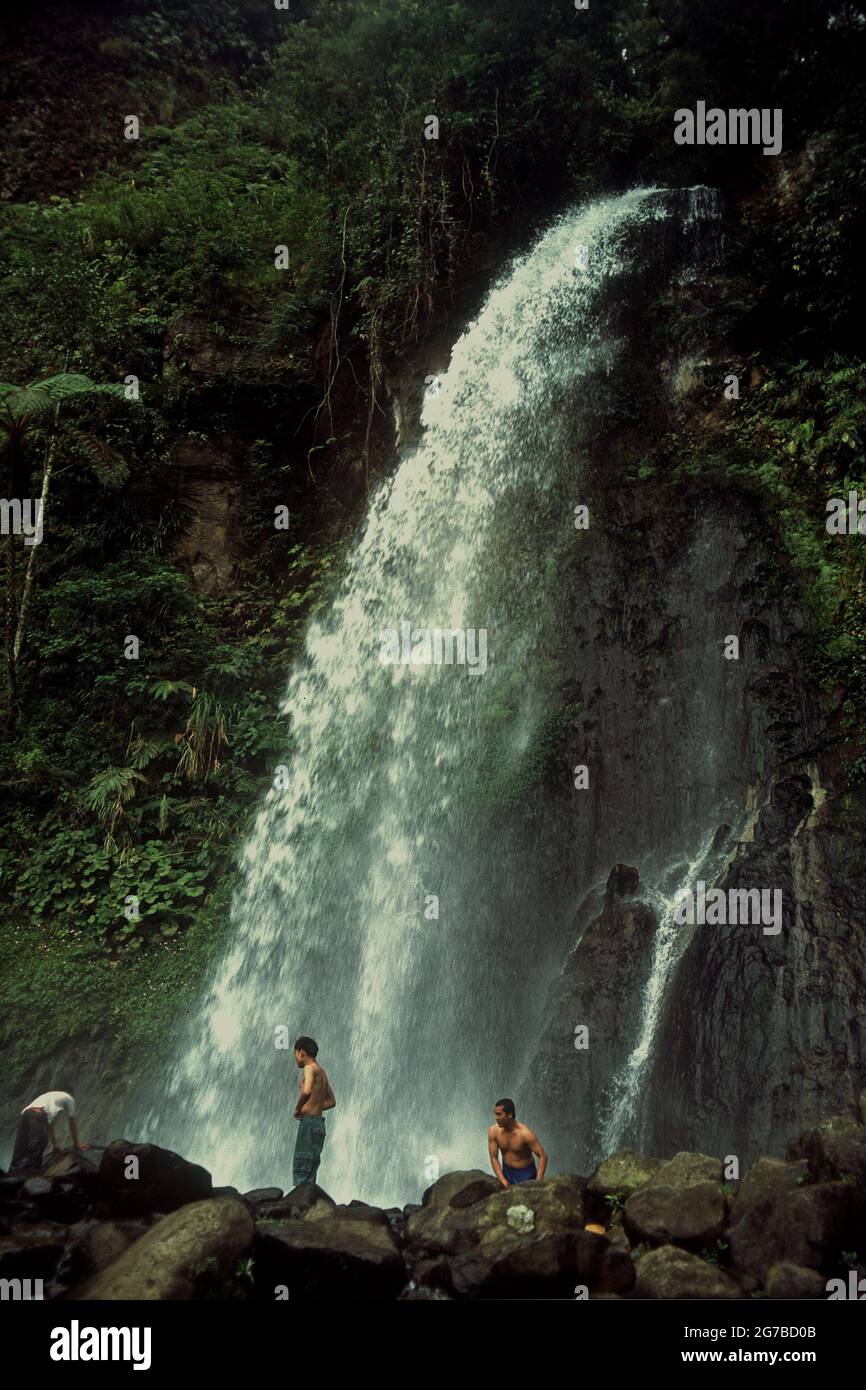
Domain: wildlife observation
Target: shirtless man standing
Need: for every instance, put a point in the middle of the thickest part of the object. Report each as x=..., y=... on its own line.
x=516, y=1143
x=314, y=1096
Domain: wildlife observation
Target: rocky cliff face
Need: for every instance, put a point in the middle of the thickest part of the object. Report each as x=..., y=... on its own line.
x=777, y=1038
x=758, y=1033
x=720, y=1037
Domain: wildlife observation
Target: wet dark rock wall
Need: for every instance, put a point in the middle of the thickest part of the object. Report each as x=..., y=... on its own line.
x=758, y=1035
x=762, y=1034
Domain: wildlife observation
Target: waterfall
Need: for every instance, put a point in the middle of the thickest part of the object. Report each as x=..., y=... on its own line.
x=624, y=1121
x=408, y=885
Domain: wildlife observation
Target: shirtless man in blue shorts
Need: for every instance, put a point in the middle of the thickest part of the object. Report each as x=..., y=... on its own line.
x=516, y=1143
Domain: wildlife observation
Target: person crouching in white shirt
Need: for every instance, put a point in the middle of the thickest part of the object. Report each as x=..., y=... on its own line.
x=36, y=1129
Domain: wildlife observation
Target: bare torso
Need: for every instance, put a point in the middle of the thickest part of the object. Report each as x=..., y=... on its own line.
x=513, y=1144
x=320, y=1093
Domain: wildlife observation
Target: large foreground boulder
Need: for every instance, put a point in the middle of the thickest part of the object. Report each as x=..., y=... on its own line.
x=548, y=1207
x=766, y=1183
x=337, y=1256
x=461, y=1189
x=72, y=1162
x=813, y=1225
x=834, y=1149
x=683, y=1201
x=808, y=1225
x=93, y=1246
x=670, y=1272
x=33, y=1250
x=554, y=1265
x=309, y=1201
x=617, y=1178
x=263, y=1196
x=141, y=1178
x=786, y=1280
x=521, y=1242
x=172, y=1257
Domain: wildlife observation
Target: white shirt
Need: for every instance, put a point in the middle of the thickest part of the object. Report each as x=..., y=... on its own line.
x=52, y=1102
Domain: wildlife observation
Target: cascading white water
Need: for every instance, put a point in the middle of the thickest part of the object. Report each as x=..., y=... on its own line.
x=621, y=1109
x=399, y=775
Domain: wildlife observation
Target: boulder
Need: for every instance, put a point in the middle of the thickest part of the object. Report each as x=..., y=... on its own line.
x=263, y=1194
x=765, y=1184
x=670, y=1272
x=786, y=1280
x=461, y=1189
x=67, y=1199
x=814, y=1224
x=807, y=1226
x=93, y=1246
x=105, y=1243
x=682, y=1201
x=433, y=1231
x=621, y=1175
x=541, y=1266
x=166, y=1262
x=827, y=1130
x=308, y=1200
x=555, y=1205
x=691, y=1215
x=371, y=1216
x=33, y=1250
x=71, y=1162
x=520, y=1242
x=158, y=1180
x=836, y=1148
x=338, y=1258
x=687, y=1170
x=615, y=1274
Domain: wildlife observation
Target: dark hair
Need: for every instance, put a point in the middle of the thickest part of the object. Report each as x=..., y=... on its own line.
x=307, y=1045
x=507, y=1106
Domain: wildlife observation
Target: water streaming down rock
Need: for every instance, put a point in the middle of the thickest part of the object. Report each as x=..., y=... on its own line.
x=410, y=781
x=623, y=1115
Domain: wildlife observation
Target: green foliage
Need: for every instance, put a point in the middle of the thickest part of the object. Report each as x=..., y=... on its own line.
x=147, y=786
x=83, y=886
x=219, y=1279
